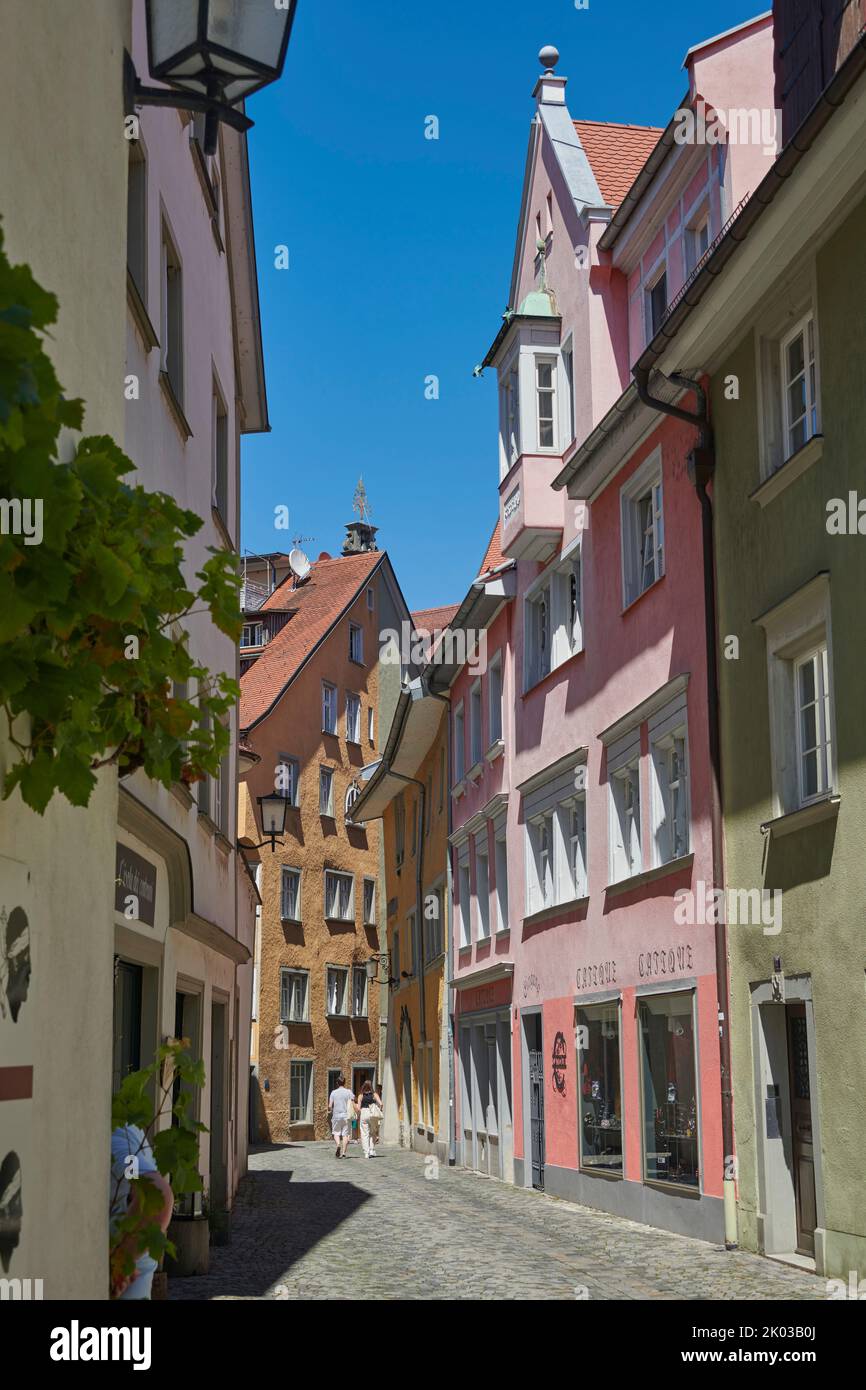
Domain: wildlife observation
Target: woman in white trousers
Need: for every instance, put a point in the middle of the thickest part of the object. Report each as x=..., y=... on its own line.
x=369, y=1124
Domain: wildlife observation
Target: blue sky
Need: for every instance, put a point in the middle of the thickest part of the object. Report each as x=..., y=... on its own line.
x=400, y=251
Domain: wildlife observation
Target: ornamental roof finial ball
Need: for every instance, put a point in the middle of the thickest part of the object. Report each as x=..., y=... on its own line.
x=549, y=57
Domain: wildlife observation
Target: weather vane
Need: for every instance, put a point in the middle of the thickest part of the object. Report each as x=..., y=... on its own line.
x=360, y=503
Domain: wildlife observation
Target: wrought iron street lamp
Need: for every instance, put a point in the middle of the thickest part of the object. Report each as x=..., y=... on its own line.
x=272, y=810
x=213, y=54
x=373, y=970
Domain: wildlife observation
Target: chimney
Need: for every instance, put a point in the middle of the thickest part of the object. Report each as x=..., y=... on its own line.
x=549, y=89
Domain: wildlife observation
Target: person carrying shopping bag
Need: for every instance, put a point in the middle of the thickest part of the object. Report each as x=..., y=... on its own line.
x=370, y=1112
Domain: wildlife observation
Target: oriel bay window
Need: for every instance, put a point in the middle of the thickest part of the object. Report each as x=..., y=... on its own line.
x=669, y=1091
x=545, y=394
x=599, y=1098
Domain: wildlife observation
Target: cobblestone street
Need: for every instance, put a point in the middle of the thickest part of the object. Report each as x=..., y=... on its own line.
x=380, y=1229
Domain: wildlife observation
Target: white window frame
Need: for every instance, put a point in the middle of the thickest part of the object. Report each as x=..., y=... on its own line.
x=807, y=330
x=307, y=1064
x=662, y=750
x=568, y=377
x=286, y=992
x=288, y=871
x=371, y=727
x=819, y=657
x=645, y=480
x=353, y=725
x=476, y=717
x=359, y=972
x=326, y=779
x=537, y=632
x=336, y=971
x=626, y=841
x=793, y=307
x=543, y=359
x=292, y=791
x=482, y=884
x=329, y=708
x=331, y=901
x=356, y=643
x=495, y=699
x=563, y=631
x=696, y=224
x=369, y=917
x=353, y=792
x=510, y=415
x=650, y=285
x=500, y=844
x=459, y=744
x=464, y=904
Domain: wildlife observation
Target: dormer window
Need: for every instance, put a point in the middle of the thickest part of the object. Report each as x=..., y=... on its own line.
x=545, y=393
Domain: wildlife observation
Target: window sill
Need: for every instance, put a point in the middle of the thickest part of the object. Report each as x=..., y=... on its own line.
x=458, y=789
x=220, y=523
x=633, y=602
x=294, y=1023
x=554, y=670
x=355, y=662
x=467, y=946
x=506, y=931
x=345, y=1016
x=343, y=921
x=330, y=733
x=355, y=742
x=555, y=910
x=496, y=749
x=141, y=317
x=475, y=771
x=292, y=922
x=174, y=405
x=183, y=794
x=812, y=814
x=673, y=866
x=434, y=961
x=600, y=1172
x=789, y=471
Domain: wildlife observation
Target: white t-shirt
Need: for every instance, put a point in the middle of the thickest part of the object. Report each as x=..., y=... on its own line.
x=339, y=1099
x=128, y=1142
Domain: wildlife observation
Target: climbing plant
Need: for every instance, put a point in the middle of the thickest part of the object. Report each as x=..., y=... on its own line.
x=93, y=591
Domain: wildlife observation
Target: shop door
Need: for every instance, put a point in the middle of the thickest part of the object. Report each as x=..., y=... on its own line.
x=801, y=1127
x=127, y=1020
x=536, y=1098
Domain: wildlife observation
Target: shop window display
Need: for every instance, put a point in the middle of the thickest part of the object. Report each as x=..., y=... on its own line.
x=670, y=1119
x=600, y=1112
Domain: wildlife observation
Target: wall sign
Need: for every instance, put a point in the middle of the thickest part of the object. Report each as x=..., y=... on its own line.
x=559, y=1063
x=511, y=506
x=600, y=973
x=670, y=960
x=135, y=886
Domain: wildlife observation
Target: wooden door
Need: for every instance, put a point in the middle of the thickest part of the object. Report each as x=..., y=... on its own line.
x=801, y=1127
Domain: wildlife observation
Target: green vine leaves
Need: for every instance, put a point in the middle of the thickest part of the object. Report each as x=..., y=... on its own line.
x=91, y=599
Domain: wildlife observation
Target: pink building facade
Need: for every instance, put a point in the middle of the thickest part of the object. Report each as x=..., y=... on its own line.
x=585, y=840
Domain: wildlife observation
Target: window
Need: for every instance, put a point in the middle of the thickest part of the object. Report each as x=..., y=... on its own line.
x=290, y=894
x=326, y=791
x=802, y=721
x=339, y=896
x=213, y=790
x=252, y=635
x=482, y=885
x=442, y=759
x=574, y=816
x=814, y=753
x=359, y=991
x=537, y=626
x=568, y=372
x=545, y=394
x=656, y=303
x=642, y=529
x=329, y=708
x=400, y=828
x=464, y=890
x=476, y=750
x=434, y=925
x=356, y=643
x=370, y=725
x=510, y=406
x=301, y=1093
x=494, y=696
x=287, y=778
x=600, y=1101
x=136, y=219
x=352, y=793
x=337, y=987
x=799, y=386
x=540, y=877
x=501, y=862
x=670, y=1114
x=625, y=844
x=697, y=240
x=294, y=996
x=220, y=459
x=395, y=957
x=353, y=718
x=371, y=600
x=411, y=933
x=172, y=317
x=459, y=744
x=671, y=800
x=369, y=902
x=555, y=842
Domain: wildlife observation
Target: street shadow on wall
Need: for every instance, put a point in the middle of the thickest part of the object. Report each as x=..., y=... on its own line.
x=804, y=856
x=286, y=1221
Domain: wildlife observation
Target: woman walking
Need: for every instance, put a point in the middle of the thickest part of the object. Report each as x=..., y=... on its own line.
x=370, y=1113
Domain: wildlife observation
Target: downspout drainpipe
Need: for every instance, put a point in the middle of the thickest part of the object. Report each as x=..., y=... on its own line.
x=701, y=469
x=449, y=886
x=419, y=896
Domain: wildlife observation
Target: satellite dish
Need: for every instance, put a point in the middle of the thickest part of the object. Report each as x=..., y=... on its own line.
x=298, y=563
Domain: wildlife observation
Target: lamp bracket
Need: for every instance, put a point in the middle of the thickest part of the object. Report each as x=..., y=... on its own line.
x=136, y=94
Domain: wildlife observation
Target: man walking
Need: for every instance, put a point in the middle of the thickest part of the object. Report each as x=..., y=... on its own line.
x=338, y=1109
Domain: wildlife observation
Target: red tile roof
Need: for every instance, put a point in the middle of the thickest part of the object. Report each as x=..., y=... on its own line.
x=328, y=590
x=433, y=618
x=617, y=154
x=493, y=555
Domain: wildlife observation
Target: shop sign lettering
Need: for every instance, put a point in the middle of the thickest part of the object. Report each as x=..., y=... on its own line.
x=670, y=960
x=597, y=975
